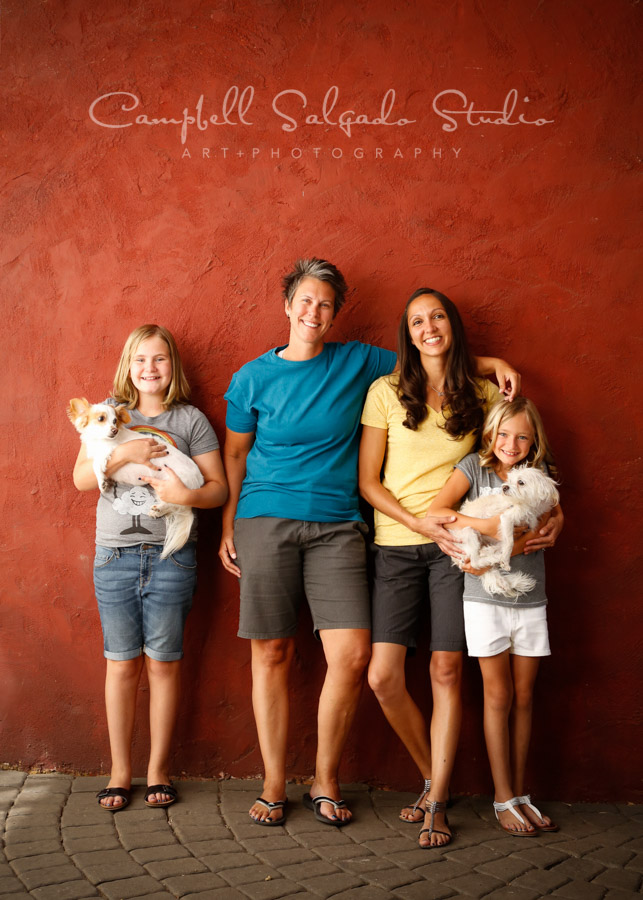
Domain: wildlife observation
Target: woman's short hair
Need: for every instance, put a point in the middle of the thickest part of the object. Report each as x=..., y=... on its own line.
x=320, y=269
x=539, y=452
x=123, y=391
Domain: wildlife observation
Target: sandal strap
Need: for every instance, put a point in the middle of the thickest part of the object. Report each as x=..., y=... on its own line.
x=161, y=789
x=526, y=800
x=425, y=791
x=431, y=831
x=436, y=806
x=509, y=806
x=278, y=804
x=336, y=804
x=114, y=792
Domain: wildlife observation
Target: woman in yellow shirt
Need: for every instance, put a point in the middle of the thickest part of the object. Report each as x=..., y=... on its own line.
x=416, y=425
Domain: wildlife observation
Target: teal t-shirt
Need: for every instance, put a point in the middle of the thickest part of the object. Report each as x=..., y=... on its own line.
x=305, y=416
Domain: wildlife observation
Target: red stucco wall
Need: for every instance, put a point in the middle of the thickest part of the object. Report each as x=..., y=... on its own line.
x=532, y=229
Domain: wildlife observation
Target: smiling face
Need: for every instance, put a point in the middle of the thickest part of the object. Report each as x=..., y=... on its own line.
x=311, y=312
x=513, y=441
x=151, y=367
x=429, y=327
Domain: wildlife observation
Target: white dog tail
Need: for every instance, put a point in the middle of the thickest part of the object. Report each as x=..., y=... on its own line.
x=509, y=584
x=178, y=524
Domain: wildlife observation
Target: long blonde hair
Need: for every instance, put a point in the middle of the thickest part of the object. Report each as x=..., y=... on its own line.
x=539, y=452
x=178, y=390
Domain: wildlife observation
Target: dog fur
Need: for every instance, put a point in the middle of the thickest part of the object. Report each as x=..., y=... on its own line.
x=526, y=496
x=102, y=429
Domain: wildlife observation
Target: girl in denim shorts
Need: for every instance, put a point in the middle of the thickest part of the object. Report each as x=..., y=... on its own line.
x=144, y=600
x=508, y=635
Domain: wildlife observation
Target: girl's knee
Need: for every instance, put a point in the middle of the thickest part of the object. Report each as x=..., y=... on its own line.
x=124, y=669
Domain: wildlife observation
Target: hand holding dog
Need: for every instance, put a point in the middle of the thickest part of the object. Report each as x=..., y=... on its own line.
x=434, y=527
x=143, y=452
x=548, y=532
x=168, y=487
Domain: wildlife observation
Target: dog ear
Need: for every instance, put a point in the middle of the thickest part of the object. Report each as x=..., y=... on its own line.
x=77, y=411
x=122, y=415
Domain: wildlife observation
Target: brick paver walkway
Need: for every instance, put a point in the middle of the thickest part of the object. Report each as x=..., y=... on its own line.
x=59, y=845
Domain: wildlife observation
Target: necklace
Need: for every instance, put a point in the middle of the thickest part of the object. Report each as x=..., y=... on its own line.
x=439, y=393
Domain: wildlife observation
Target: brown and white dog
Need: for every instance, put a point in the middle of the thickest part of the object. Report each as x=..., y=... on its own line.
x=102, y=429
x=526, y=496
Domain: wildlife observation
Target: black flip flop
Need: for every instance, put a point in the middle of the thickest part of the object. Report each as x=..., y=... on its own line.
x=278, y=804
x=314, y=803
x=123, y=793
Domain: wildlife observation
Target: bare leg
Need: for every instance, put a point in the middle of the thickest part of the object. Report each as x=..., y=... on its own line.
x=386, y=678
x=524, y=671
x=121, y=683
x=165, y=688
x=446, y=680
x=498, y=700
x=347, y=652
x=271, y=660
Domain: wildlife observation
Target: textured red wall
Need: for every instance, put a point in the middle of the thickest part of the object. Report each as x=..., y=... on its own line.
x=532, y=229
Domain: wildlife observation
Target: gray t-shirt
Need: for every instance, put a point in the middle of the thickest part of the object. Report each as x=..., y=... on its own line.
x=121, y=514
x=484, y=481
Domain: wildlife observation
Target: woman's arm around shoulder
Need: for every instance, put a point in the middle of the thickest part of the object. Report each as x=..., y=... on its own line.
x=508, y=379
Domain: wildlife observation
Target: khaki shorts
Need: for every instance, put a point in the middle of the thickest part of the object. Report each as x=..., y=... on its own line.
x=283, y=561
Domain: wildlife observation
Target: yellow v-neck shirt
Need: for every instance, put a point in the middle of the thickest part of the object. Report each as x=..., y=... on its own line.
x=418, y=463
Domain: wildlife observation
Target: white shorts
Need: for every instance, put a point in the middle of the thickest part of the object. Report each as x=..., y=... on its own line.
x=492, y=629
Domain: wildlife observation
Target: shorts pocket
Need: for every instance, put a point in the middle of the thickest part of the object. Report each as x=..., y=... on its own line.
x=185, y=558
x=104, y=556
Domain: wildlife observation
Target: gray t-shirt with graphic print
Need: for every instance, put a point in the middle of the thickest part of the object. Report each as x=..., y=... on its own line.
x=122, y=518
x=484, y=481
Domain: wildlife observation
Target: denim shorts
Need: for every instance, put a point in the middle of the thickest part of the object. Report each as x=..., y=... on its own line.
x=144, y=600
x=408, y=579
x=283, y=561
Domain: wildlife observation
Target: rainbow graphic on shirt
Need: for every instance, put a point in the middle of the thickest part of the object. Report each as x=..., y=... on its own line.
x=150, y=431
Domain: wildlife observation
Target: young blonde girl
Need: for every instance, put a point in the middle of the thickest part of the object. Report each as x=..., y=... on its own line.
x=144, y=600
x=508, y=636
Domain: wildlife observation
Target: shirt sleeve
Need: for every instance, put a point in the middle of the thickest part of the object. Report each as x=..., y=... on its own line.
x=375, y=412
x=203, y=438
x=380, y=362
x=469, y=466
x=491, y=394
x=240, y=416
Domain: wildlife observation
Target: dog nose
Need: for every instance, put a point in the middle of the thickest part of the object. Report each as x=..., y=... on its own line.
x=505, y=489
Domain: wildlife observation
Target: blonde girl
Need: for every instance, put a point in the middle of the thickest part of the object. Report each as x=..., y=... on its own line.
x=508, y=636
x=143, y=600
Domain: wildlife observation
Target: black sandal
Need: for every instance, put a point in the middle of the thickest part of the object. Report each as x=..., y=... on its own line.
x=435, y=806
x=160, y=789
x=123, y=793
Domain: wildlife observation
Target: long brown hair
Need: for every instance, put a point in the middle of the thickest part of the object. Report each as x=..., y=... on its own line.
x=462, y=395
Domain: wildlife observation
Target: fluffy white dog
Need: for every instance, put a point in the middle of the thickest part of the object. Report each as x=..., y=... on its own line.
x=526, y=496
x=102, y=429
